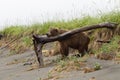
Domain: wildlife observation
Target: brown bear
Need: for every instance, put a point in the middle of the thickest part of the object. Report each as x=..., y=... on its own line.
x=77, y=41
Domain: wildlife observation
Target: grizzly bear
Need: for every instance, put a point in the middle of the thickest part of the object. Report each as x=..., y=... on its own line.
x=77, y=41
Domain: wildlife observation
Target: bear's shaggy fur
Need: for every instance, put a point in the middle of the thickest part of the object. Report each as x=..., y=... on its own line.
x=77, y=41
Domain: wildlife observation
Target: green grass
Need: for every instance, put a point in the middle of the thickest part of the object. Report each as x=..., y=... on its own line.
x=111, y=17
x=111, y=47
x=97, y=66
x=75, y=23
x=25, y=32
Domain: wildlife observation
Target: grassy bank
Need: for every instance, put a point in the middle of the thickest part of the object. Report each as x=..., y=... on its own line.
x=23, y=34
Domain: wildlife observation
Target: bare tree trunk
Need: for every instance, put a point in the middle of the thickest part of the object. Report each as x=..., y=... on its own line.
x=39, y=41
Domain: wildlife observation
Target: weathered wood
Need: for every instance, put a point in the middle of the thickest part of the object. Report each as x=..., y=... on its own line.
x=38, y=51
x=39, y=41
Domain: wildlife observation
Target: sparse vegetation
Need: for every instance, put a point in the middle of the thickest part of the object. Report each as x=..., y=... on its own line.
x=69, y=64
x=97, y=66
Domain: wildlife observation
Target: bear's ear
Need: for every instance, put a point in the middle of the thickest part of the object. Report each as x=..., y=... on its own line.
x=56, y=29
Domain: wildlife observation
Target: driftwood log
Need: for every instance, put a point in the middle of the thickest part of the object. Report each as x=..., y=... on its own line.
x=39, y=41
